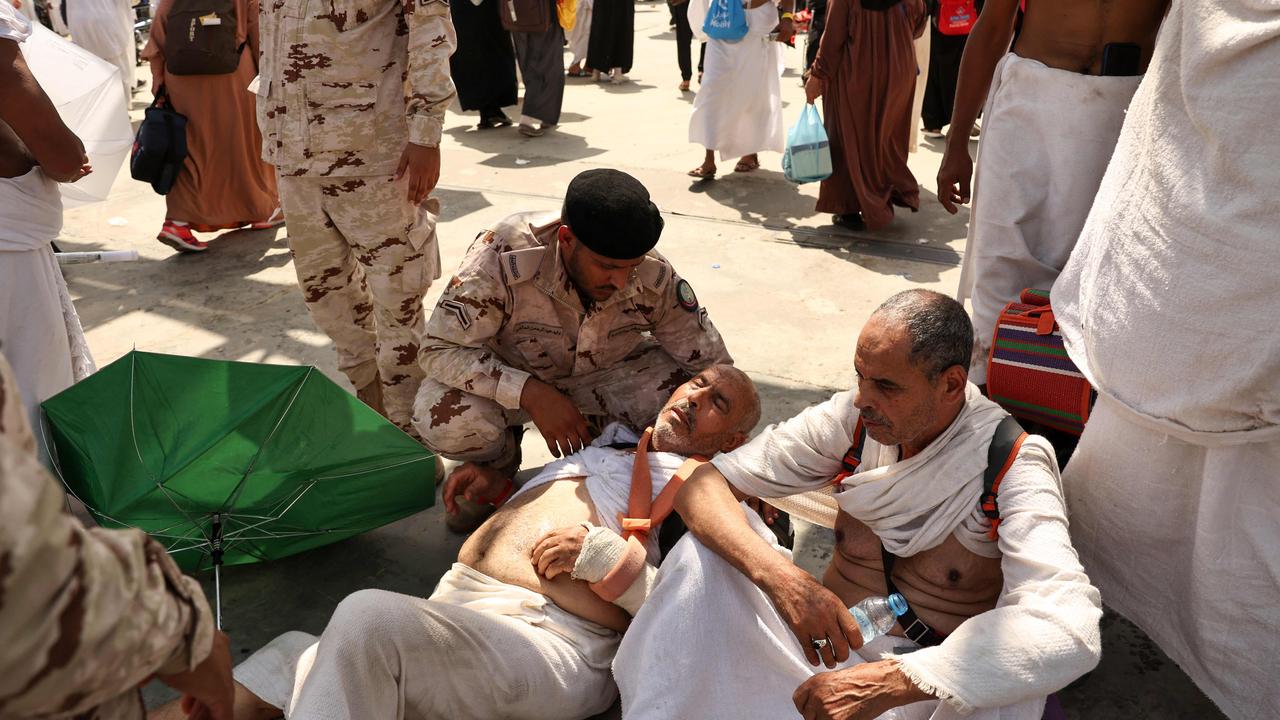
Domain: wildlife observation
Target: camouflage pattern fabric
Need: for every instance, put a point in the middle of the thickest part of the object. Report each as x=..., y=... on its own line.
x=469, y=427
x=511, y=312
x=86, y=615
x=344, y=84
x=365, y=258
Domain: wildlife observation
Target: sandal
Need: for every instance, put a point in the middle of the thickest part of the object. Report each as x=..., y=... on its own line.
x=684, y=86
x=746, y=165
x=702, y=173
x=577, y=72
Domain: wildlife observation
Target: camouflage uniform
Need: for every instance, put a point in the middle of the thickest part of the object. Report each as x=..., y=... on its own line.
x=86, y=615
x=511, y=312
x=343, y=85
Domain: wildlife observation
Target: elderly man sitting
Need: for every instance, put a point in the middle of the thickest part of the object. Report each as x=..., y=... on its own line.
x=1001, y=611
x=526, y=623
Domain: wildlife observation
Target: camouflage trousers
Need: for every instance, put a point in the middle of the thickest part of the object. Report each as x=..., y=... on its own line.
x=462, y=426
x=365, y=258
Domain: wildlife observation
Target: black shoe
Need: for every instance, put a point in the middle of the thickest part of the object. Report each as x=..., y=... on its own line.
x=849, y=221
x=493, y=119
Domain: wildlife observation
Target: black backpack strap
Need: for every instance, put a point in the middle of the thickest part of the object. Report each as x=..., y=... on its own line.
x=1001, y=453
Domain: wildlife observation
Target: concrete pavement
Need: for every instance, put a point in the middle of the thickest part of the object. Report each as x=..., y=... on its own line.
x=788, y=291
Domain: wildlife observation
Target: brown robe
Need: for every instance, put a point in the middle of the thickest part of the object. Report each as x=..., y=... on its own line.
x=867, y=62
x=224, y=182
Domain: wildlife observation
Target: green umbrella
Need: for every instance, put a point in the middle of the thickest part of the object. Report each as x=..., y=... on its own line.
x=227, y=463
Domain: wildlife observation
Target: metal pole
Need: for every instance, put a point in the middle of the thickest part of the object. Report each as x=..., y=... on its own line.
x=217, y=568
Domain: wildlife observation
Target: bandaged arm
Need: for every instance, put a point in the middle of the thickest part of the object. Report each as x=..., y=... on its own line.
x=617, y=569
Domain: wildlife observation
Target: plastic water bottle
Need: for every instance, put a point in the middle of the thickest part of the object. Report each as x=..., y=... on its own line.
x=876, y=615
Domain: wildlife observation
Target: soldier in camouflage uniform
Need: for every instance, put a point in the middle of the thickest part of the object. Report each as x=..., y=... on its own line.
x=87, y=615
x=556, y=318
x=351, y=100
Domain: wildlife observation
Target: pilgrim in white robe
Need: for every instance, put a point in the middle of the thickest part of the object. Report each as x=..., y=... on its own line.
x=1046, y=137
x=709, y=644
x=738, y=108
x=1173, y=490
x=580, y=36
x=40, y=331
x=105, y=28
x=477, y=649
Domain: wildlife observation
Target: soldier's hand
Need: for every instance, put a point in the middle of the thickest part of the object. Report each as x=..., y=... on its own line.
x=556, y=417
x=421, y=165
x=477, y=483
x=208, y=691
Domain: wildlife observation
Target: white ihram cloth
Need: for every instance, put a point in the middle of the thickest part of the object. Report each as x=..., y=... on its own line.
x=738, y=108
x=40, y=331
x=1173, y=490
x=478, y=649
x=1046, y=137
x=105, y=28
x=580, y=35
x=1042, y=634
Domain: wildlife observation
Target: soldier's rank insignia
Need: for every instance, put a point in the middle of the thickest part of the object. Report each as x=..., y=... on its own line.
x=459, y=311
x=685, y=296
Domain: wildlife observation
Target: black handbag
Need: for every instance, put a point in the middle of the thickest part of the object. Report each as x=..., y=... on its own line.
x=160, y=147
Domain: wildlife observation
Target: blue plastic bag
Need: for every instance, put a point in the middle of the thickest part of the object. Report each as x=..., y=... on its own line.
x=726, y=20
x=808, y=155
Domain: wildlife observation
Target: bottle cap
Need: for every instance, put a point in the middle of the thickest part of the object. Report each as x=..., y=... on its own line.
x=898, y=604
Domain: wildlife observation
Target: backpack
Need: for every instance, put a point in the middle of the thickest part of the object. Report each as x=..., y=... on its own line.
x=726, y=20
x=527, y=16
x=160, y=147
x=956, y=17
x=200, y=38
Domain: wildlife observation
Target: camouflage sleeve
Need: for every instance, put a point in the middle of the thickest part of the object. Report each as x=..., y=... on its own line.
x=429, y=87
x=471, y=311
x=88, y=614
x=685, y=330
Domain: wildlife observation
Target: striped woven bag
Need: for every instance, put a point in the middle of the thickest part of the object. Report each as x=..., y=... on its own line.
x=1029, y=372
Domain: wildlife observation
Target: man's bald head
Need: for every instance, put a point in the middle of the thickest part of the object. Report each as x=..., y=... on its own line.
x=714, y=412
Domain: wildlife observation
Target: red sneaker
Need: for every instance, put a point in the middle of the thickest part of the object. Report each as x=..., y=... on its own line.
x=276, y=220
x=179, y=238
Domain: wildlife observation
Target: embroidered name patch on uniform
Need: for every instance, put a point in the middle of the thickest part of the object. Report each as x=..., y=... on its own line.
x=685, y=296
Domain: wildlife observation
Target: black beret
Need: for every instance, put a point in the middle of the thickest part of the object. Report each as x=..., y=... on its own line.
x=611, y=214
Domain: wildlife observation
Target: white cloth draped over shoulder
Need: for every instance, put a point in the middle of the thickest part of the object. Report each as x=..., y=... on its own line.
x=738, y=108
x=1173, y=489
x=1042, y=634
x=1046, y=137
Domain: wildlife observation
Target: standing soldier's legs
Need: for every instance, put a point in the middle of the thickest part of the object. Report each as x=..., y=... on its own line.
x=465, y=427
x=333, y=284
x=394, y=242
x=632, y=391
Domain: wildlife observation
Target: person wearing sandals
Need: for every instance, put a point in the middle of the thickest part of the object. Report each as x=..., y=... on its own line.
x=541, y=58
x=224, y=184
x=738, y=108
x=483, y=67
x=580, y=39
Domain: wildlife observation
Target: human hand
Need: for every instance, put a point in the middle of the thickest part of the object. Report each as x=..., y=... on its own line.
x=768, y=513
x=814, y=613
x=812, y=88
x=208, y=692
x=954, y=175
x=421, y=164
x=556, y=417
x=557, y=552
x=477, y=483
x=861, y=692
x=786, y=31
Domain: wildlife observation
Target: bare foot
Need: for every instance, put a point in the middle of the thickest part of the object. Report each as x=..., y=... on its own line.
x=703, y=172
x=684, y=86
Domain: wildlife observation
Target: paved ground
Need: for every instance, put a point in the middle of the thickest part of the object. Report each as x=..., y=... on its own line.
x=787, y=290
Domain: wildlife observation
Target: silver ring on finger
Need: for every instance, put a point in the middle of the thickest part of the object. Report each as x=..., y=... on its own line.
x=819, y=643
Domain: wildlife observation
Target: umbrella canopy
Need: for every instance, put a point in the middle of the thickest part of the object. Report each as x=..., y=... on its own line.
x=88, y=94
x=230, y=461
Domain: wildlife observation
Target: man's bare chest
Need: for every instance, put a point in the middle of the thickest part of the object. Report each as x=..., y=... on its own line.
x=949, y=569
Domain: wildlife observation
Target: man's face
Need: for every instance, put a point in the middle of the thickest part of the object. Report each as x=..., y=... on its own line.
x=702, y=416
x=898, y=402
x=595, y=276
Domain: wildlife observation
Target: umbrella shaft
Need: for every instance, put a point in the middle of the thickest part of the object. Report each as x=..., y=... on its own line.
x=217, y=594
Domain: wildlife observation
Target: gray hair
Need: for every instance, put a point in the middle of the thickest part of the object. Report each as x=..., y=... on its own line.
x=940, y=330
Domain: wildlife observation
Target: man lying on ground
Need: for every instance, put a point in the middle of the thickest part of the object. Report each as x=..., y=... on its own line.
x=1003, y=614
x=508, y=632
